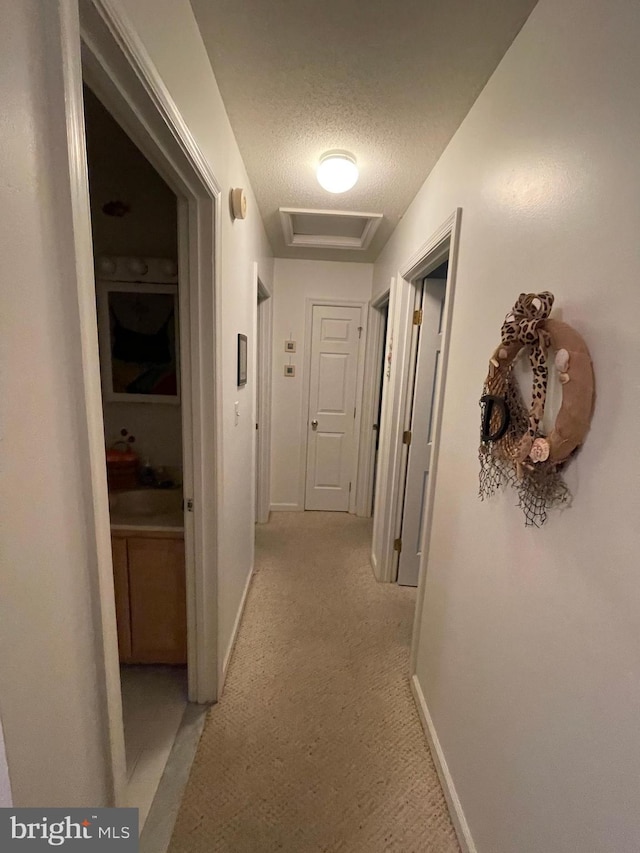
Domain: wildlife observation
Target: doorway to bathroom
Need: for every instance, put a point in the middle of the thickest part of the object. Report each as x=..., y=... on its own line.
x=134, y=219
x=118, y=71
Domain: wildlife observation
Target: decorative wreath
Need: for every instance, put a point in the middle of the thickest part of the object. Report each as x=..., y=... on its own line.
x=513, y=450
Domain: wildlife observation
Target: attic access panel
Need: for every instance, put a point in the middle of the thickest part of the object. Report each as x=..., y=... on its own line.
x=328, y=229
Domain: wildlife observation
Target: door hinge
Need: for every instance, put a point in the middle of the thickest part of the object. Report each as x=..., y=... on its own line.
x=349, y=488
x=397, y=545
x=354, y=411
x=256, y=426
x=406, y=436
x=189, y=504
x=417, y=317
x=359, y=332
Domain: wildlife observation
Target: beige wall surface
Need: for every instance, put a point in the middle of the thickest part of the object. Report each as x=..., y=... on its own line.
x=119, y=172
x=529, y=653
x=294, y=283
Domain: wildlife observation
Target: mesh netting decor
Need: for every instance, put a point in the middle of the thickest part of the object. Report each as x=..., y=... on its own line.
x=513, y=449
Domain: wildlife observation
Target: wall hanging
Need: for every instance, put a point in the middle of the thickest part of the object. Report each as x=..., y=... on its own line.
x=513, y=449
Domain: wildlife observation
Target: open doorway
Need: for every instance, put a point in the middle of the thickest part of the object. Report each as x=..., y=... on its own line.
x=418, y=437
x=423, y=290
x=134, y=219
x=98, y=49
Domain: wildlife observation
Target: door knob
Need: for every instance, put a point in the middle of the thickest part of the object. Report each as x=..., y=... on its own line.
x=314, y=424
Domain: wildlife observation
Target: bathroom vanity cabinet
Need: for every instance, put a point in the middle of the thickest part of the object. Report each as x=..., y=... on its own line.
x=151, y=609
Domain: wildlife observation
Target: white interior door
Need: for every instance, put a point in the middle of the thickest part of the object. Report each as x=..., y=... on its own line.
x=427, y=366
x=335, y=344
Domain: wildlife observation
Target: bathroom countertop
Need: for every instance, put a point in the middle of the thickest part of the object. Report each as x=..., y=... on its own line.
x=147, y=509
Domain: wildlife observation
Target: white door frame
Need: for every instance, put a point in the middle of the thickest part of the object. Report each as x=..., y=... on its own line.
x=453, y=228
x=414, y=413
x=101, y=45
x=372, y=390
x=407, y=386
x=389, y=491
x=263, y=336
x=304, y=433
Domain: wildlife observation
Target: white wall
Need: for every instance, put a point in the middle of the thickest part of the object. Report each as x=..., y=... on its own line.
x=170, y=34
x=119, y=172
x=52, y=690
x=51, y=698
x=529, y=653
x=294, y=283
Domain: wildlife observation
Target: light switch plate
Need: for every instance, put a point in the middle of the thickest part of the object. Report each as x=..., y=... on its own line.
x=289, y=346
x=289, y=370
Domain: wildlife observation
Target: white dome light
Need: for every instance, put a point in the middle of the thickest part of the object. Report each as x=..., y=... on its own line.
x=337, y=171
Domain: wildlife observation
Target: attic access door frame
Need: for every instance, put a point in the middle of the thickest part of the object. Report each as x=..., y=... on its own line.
x=99, y=45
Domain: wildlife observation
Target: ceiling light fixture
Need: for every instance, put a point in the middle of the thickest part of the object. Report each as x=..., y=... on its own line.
x=337, y=171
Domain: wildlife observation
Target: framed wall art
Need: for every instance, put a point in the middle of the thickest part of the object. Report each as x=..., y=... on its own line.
x=242, y=360
x=138, y=336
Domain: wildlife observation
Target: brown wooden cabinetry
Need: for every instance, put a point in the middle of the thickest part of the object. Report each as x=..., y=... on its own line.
x=151, y=610
x=121, y=584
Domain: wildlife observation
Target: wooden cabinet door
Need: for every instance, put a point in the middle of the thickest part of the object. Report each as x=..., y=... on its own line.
x=121, y=585
x=157, y=600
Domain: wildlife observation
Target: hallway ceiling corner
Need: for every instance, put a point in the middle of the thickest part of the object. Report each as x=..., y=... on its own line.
x=391, y=82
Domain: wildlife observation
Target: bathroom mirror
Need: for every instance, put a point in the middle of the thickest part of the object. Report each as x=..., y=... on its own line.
x=138, y=337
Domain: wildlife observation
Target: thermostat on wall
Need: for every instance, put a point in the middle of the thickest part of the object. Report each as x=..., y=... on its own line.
x=238, y=203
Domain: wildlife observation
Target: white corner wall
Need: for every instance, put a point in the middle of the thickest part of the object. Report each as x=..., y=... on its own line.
x=51, y=700
x=171, y=36
x=294, y=283
x=529, y=644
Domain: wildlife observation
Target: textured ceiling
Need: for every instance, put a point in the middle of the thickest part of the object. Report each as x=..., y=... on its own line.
x=389, y=80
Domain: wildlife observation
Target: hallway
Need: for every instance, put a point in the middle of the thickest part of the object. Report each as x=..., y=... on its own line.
x=316, y=744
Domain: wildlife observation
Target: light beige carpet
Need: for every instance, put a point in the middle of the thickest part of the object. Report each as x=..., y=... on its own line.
x=316, y=744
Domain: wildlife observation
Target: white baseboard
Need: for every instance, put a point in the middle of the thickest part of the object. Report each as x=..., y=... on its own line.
x=286, y=507
x=455, y=808
x=234, y=634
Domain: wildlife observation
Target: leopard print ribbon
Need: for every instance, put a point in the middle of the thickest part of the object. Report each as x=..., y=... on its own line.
x=525, y=324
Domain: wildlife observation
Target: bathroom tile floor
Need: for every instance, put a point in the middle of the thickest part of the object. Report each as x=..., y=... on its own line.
x=153, y=701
